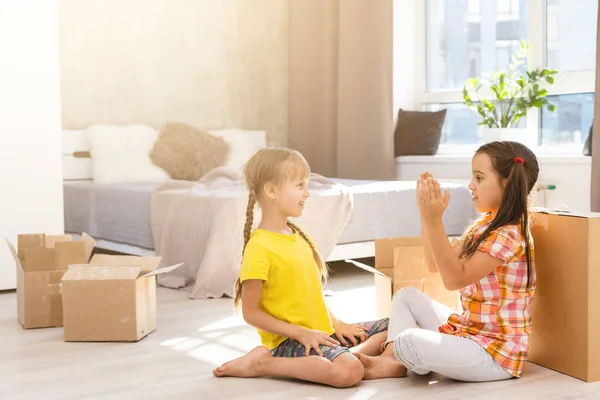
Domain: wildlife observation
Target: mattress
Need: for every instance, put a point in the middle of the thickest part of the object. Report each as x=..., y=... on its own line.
x=114, y=212
x=120, y=213
x=384, y=209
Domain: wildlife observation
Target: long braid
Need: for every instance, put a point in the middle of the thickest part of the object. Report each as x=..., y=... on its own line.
x=247, y=231
x=318, y=259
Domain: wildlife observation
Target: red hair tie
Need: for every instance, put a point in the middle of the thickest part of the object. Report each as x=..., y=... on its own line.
x=519, y=160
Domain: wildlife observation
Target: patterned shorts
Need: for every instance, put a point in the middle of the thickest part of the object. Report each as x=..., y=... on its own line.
x=293, y=348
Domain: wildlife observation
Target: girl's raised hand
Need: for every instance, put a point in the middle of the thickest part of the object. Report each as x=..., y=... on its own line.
x=311, y=339
x=432, y=203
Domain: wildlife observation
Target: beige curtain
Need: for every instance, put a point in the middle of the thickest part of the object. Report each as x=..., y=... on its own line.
x=341, y=115
x=596, y=135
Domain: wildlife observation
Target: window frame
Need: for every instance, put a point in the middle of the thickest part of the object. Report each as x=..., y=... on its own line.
x=571, y=82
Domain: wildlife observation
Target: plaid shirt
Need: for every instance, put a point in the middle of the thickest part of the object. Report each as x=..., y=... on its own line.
x=496, y=310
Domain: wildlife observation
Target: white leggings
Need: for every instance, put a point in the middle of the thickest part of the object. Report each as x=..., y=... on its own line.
x=424, y=349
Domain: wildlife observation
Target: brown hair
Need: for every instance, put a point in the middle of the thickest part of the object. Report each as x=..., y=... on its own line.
x=518, y=179
x=273, y=165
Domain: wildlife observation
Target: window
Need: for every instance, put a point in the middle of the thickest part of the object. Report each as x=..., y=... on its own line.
x=460, y=125
x=571, y=121
x=467, y=38
x=570, y=35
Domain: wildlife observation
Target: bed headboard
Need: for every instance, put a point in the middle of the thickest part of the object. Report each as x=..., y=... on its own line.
x=76, y=161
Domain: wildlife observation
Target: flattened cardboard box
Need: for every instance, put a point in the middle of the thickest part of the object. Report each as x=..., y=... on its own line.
x=566, y=308
x=113, y=298
x=399, y=262
x=41, y=261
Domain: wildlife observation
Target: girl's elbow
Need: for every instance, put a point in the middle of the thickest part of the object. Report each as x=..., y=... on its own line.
x=432, y=268
x=452, y=285
x=249, y=316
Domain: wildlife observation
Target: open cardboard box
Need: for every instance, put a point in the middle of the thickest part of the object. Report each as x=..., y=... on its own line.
x=41, y=262
x=566, y=308
x=399, y=262
x=113, y=298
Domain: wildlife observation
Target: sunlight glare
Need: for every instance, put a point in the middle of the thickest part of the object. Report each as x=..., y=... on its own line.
x=229, y=322
x=354, y=305
x=364, y=394
x=174, y=341
x=215, y=354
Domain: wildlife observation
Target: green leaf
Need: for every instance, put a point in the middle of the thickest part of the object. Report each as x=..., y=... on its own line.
x=551, y=107
x=496, y=92
x=550, y=79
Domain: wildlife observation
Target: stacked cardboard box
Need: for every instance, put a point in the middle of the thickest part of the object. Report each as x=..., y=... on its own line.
x=400, y=262
x=113, y=298
x=566, y=308
x=107, y=298
x=41, y=262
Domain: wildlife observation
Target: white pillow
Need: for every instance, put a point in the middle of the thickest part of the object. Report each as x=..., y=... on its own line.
x=243, y=144
x=120, y=154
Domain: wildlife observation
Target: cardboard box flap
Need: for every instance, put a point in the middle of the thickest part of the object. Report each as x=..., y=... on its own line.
x=40, y=259
x=33, y=241
x=367, y=268
x=567, y=213
x=147, y=264
x=51, y=240
x=14, y=253
x=160, y=271
x=384, y=249
x=409, y=263
x=85, y=272
x=90, y=243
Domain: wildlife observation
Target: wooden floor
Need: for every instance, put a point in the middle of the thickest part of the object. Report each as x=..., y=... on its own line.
x=193, y=336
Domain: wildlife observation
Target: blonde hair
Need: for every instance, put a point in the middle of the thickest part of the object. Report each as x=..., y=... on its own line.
x=273, y=165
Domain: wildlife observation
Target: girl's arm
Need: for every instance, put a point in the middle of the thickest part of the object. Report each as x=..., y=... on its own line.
x=253, y=315
x=455, y=274
x=429, y=261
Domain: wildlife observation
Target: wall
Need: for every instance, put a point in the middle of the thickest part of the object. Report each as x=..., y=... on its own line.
x=571, y=175
x=209, y=63
x=30, y=131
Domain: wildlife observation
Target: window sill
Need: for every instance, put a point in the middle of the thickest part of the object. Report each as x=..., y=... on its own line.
x=456, y=154
x=466, y=159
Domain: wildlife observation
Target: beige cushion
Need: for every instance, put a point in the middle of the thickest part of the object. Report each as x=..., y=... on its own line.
x=187, y=153
x=418, y=133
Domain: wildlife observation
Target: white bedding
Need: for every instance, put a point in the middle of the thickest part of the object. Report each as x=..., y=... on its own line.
x=385, y=209
x=201, y=224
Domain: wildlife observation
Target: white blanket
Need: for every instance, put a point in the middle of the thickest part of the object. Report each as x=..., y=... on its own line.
x=201, y=224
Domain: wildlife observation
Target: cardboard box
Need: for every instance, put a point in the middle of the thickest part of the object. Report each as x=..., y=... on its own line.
x=566, y=309
x=113, y=298
x=399, y=262
x=41, y=262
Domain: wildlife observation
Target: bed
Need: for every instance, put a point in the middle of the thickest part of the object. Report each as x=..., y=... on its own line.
x=117, y=215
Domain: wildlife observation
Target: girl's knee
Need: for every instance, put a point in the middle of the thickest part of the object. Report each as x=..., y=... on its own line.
x=405, y=348
x=348, y=371
x=405, y=293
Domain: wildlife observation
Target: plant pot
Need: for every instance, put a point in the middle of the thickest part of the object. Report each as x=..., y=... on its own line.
x=521, y=135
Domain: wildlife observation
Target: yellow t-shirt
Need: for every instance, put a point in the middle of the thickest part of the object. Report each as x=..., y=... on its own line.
x=292, y=290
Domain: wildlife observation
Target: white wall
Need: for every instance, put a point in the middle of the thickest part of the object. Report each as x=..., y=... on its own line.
x=571, y=175
x=30, y=129
x=208, y=63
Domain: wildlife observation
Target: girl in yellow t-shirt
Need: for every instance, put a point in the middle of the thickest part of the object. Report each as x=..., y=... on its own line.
x=280, y=286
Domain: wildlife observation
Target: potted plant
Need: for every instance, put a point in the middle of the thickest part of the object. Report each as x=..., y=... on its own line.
x=509, y=96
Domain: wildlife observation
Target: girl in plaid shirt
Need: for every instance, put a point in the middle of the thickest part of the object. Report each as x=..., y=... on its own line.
x=493, y=268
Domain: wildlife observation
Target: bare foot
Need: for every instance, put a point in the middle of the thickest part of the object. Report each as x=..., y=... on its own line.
x=383, y=366
x=248, y=366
